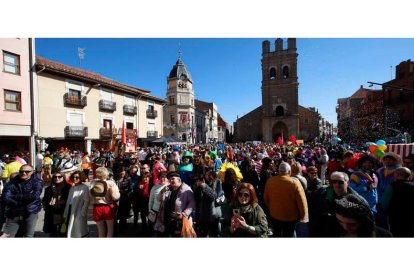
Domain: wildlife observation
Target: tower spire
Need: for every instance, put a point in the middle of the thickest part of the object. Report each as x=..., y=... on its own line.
x=179, y=50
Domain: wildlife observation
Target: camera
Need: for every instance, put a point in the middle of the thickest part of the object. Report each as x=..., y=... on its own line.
x=236, y=212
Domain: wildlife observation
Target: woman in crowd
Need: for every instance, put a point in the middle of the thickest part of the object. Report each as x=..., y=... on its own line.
x=248, y=170
x=141, y=199
x=230, y=185
x=267, y=171
x=46, y=175
x=246, y=218
x=364, y=181
x=208, y=210
x=105, y=193
x=76, y=209
x=297, y=173
x=199, y=170
x=123, y=181
x=54, y=202
x=154, y=203
x=355, y=218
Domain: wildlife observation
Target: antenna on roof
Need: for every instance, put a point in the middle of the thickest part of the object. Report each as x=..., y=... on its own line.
x=81, y=54
x=391, y=70
x=179, y=50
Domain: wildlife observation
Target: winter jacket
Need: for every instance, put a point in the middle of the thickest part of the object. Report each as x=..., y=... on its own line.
x=22, y=198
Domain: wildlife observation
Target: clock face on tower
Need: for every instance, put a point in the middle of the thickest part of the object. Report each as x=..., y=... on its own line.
x=183, y=77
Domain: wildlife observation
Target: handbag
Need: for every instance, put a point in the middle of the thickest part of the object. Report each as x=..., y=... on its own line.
x=63, y=228
x=187, y=231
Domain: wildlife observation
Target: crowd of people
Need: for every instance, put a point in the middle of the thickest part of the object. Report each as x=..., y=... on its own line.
x=221, y=190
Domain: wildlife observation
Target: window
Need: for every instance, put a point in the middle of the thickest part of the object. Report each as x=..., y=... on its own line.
x=129, y=100
x=279, y=111
x=129, y=125
x=272, y=73
x=11, y=63
x=12, y=100
x=285, y=72
x=171, y=100
x=106, y=95
x=172, y=118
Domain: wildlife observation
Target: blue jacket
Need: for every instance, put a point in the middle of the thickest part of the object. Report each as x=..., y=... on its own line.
x=22, y=198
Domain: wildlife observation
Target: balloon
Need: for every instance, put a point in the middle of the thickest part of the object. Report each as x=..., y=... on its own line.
x=373, y=148
x=379, y=153
x=382, y=147
x=380, y=142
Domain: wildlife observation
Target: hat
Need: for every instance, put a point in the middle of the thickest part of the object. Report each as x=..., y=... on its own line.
x=365, y=158
x=68, y=167
x=187, y=154
x=172, y=174
x=392, y=155
x=99, y=188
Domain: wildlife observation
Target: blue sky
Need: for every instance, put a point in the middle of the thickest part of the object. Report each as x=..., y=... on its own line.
x=227, y=71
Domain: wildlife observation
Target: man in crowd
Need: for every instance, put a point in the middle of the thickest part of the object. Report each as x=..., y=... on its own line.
x=21, y=200
x=286, y=201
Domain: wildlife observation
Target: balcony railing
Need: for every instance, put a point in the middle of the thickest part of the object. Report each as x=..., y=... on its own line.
x=107, y=105
x=152, y=113
x=105, y=133
x=128, y=132
x=152, y=134
x=76, y=132
x=129, y=109
x=70, y=100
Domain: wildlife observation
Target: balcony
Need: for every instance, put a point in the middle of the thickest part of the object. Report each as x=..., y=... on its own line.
x=105, y=133
x=152, y=134
x=129, y=109
x=105, y=105
x=76, y=132
x=128, y=132
x=74, y=101
x=152, y=113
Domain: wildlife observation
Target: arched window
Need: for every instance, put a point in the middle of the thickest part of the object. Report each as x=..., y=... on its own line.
x=272, y=74
x=280, y=111
x=285, y=72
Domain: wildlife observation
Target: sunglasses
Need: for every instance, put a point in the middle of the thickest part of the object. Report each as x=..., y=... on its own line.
x=58, y=176
x=26, y=172
x=243, y=194
x=340, y=182
x=76, y=177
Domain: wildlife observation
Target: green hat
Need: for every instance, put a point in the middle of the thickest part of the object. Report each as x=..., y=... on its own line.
x=187, y=154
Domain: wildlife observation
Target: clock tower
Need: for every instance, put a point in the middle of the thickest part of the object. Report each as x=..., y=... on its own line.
x=279, y=90
x=179, y=113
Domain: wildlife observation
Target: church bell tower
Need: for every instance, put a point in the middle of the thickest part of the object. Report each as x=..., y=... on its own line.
x=279, y=90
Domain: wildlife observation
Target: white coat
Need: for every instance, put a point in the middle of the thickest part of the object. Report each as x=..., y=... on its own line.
x=78, y=218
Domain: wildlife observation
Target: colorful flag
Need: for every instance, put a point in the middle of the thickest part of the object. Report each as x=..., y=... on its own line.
x=123, y=134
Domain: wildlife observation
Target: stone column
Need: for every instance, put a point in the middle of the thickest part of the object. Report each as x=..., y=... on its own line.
x=88, y=146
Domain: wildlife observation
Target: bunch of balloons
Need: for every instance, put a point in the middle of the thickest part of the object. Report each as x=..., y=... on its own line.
x=377, y=149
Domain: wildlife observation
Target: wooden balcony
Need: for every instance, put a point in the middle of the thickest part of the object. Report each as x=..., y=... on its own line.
x=105, y=133
x=74, y=101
